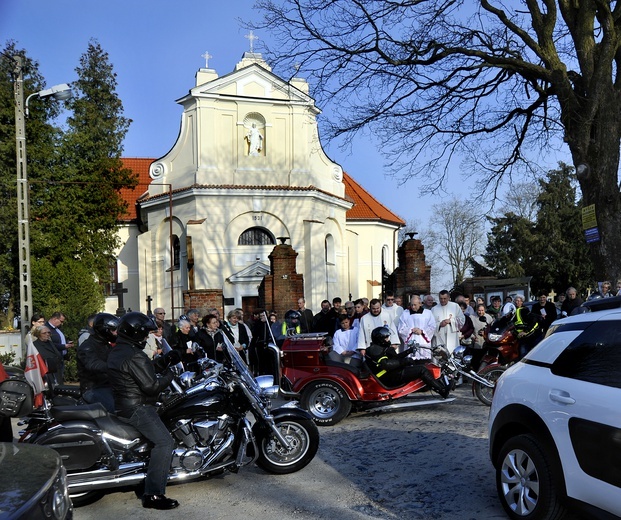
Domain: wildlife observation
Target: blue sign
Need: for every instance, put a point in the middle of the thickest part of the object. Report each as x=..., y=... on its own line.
x=591, y=235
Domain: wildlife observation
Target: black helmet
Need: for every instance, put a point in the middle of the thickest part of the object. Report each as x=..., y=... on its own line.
x=135, y=327
x=292, y=316
x=105, y=326
x=381, y=336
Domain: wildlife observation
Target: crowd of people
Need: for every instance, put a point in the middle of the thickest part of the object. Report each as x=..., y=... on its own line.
x=396, y=342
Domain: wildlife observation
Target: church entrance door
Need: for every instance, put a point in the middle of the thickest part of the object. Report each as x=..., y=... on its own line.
x=249, y=304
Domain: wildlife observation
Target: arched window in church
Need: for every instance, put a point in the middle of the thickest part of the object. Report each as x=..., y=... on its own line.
x=256, y=236
x=176, y=252
x=330, y=254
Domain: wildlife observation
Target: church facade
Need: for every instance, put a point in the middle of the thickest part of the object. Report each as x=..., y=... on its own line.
x=248, y=171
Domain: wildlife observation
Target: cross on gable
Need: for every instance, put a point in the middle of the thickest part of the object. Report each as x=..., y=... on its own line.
x=206, y=56
x=251, y=37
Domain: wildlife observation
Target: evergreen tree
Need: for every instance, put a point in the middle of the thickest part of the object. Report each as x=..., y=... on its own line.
x=41, y=135
x=551, y=249
x=510, y=246
x=562, y=255
x=77, y=210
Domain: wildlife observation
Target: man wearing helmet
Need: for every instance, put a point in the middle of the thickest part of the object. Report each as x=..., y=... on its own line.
x=93, y=361
x=394, y=369
x=527, y=326
x=291, y=324
x=136, y=388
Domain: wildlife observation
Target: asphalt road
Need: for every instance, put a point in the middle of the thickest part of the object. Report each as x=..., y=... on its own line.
x=427, y=463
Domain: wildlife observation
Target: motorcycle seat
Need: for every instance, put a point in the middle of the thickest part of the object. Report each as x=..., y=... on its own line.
x=68, y=390
x=114, y=426
x=361, y=372
x=73, y=413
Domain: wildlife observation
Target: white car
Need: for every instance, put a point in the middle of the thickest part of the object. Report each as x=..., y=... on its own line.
x=555, y=423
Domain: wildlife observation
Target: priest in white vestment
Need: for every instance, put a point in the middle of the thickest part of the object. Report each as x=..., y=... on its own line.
x=449, y=319
x=419, y=326
x=375, y=318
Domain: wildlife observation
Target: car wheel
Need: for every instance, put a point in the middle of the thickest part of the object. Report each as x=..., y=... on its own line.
x=525, y=481
x=326, y=401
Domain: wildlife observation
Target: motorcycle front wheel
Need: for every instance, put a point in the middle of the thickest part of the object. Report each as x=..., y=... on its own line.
x=491, y=373
x=303, y=438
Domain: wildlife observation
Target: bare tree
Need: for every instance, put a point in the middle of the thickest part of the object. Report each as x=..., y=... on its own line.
x=491, y=79
x=455, y=236
x=521, y=199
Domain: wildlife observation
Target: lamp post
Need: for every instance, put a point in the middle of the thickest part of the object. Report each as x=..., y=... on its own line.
x=60, y=92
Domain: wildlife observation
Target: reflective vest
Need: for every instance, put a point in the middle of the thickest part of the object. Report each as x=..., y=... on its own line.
x=519, y=322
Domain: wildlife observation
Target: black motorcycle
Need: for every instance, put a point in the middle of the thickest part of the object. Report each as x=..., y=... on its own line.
x=207, y=413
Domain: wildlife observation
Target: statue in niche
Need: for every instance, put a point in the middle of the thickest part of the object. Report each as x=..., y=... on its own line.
x=255, y=141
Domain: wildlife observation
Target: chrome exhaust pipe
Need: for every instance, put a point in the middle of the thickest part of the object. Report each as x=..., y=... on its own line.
x=134, y=473
x=127, y=475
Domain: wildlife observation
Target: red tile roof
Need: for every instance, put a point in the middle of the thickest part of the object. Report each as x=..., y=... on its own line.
x=365, y=208
x=139, y=166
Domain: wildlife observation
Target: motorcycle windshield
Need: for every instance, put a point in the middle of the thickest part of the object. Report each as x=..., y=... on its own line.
x=501, y=324
x=238, y=364
x=167, y=348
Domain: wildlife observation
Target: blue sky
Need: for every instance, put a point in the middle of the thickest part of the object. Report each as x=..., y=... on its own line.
x=155, y=47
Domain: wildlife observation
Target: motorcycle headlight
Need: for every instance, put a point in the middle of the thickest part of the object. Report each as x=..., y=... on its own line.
x=459, y=351
x=186, y=379
x=265, y=381
x=494, y=337
x=60, y=501
x=271, y=392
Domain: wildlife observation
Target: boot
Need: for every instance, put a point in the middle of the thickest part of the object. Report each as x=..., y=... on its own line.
x=158, y=502
x=436, y=385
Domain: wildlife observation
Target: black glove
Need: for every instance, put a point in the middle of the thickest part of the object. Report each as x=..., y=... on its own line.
x=172, y=357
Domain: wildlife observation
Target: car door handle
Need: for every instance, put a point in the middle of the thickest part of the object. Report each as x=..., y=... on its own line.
x=561, y=397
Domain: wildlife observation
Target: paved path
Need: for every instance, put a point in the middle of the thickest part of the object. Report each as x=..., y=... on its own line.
x=430, y=463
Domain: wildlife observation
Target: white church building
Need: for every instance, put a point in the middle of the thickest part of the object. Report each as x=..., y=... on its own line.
x=248, y=169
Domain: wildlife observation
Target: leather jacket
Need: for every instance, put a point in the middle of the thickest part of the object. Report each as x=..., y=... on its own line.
x=93, y=363
x=133, y=378
x=385, y=359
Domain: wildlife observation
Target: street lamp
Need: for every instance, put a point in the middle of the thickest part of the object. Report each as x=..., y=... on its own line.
x=60, y=92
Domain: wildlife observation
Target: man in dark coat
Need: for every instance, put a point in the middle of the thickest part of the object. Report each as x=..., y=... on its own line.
x=547, y=310
x=325, y=320
x=136, y=388
x=93, y=361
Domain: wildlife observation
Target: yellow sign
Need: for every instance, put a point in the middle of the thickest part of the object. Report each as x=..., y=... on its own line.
x=588, y=217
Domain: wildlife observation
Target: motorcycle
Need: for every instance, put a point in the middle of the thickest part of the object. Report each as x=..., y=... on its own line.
x=206, y=413
x=330, y=389
x=501, y=347
x=457, y=363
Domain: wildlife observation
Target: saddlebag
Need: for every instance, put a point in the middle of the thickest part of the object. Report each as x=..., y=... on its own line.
x=78, y=446
x=16, y=398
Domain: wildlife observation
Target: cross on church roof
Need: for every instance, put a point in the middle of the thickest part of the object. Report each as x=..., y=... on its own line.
x=251, y=37
x=206, y=56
